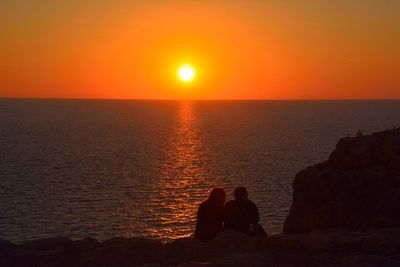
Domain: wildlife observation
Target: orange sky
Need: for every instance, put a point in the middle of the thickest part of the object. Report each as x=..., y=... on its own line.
x=241, y=49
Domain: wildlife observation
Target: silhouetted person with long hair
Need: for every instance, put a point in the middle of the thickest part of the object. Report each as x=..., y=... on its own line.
x=210, y=216
x=241, y=215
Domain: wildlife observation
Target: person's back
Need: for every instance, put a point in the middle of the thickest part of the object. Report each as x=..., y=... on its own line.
x=242, y=215
x=210, y=216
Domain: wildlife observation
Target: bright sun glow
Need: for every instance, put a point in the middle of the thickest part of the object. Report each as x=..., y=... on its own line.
x=186, y=73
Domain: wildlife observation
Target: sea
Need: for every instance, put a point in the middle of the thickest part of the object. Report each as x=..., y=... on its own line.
x=140, y=168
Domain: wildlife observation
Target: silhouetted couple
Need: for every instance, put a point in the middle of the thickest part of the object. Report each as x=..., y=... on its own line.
x=240, y=215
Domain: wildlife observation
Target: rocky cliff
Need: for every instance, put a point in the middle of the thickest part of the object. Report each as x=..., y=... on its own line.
x=357, y=188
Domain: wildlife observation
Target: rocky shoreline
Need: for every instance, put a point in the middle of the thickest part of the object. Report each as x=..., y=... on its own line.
x=345, y=212
x=322, y=248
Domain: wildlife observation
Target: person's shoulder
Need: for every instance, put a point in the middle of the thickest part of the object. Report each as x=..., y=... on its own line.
x=251, y=203
x=230, y=203
x=203, y=204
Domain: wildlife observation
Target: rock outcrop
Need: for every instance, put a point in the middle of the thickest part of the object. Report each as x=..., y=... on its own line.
x=357, y=188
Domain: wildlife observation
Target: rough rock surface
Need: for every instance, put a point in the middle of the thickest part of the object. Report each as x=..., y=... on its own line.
x=322, y=248
x=357, y=188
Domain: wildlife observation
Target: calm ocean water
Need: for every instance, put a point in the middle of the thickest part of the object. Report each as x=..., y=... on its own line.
x=140, y=168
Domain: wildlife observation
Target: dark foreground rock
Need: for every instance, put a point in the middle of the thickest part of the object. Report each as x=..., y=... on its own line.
x=324, y=248
x=357, y=189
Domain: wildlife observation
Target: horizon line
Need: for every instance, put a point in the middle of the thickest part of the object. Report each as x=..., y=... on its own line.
x=198, y=99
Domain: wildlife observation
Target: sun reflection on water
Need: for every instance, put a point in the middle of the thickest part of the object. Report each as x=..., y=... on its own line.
x=183, y=182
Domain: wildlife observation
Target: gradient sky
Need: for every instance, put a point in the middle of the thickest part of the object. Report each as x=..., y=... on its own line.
x=273, y=49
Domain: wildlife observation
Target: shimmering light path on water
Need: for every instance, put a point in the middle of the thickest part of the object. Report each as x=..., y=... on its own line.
x=183, y=180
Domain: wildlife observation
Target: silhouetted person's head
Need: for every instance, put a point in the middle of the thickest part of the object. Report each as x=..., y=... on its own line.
x=240, y=193
x=217, y=196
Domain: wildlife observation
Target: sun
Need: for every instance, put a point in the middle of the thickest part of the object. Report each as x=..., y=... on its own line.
x=186, y=73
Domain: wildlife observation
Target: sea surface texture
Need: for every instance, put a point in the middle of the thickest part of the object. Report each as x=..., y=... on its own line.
x=80, y=168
